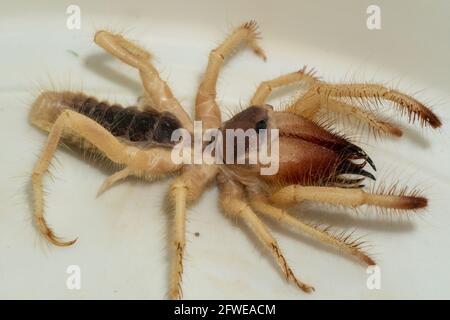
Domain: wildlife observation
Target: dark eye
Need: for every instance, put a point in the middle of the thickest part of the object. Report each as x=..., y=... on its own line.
x=261, y=125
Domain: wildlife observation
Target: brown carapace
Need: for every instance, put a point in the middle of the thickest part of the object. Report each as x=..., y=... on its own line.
x=315, y=163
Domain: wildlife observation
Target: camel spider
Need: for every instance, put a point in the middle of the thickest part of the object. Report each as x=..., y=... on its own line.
x=315, y=163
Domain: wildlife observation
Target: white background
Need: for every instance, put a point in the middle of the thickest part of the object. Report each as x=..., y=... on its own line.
x=122, y=247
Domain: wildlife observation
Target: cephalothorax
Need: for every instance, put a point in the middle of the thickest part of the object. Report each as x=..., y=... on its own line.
x=314, y=163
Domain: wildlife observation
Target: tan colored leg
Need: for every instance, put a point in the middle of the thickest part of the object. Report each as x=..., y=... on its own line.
x=178, y=192
x=266, y=87
x=157, y=89
x=359, y=114
x=186, y=189
x=320, y=92
x=343, y=242
x=144, y=102
x=153, y=161
x=232, y=203
x=348, y=197
x=206, y=108
x=117, y=176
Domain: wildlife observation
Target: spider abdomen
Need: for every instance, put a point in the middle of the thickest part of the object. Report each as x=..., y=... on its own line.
x=131, y=124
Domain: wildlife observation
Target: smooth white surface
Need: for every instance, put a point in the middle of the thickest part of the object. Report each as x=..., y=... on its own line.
x=122, y=235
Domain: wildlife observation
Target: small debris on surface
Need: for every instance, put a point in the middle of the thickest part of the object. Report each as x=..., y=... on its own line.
x=197, y=234
x=75, y=54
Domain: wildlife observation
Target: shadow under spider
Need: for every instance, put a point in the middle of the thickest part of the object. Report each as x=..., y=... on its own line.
x=339, y=221
x=102, y=64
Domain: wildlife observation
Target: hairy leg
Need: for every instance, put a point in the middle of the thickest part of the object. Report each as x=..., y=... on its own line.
x=206, y=108
x=186, y=189
x=233, y=204
x=266, y=87
x=157, y=89
x=112, y=179
x=349, y=197
x=379, y=125
x=313, y=102
x=154, y=161
x=178, y=194
x=344, y=243
x=317, y=96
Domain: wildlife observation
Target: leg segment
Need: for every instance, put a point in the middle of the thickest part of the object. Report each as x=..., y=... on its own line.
x=138, y=162
x=265, y=88
x=232, y=203
x=186, y=189
x=115, y=177
x=348, y=197
x=178, y=192
x=343, y=243
x=313, y=102
x=157, y=89
x=206, y=108
x=317, y=96
x=359, y=114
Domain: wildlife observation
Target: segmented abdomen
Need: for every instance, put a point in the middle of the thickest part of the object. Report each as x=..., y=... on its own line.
x=149, y=126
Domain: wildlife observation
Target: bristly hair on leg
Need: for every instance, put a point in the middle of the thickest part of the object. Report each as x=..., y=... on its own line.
x=413, y=198
x=407, y=105
x=356, y=245
x=368, y=122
